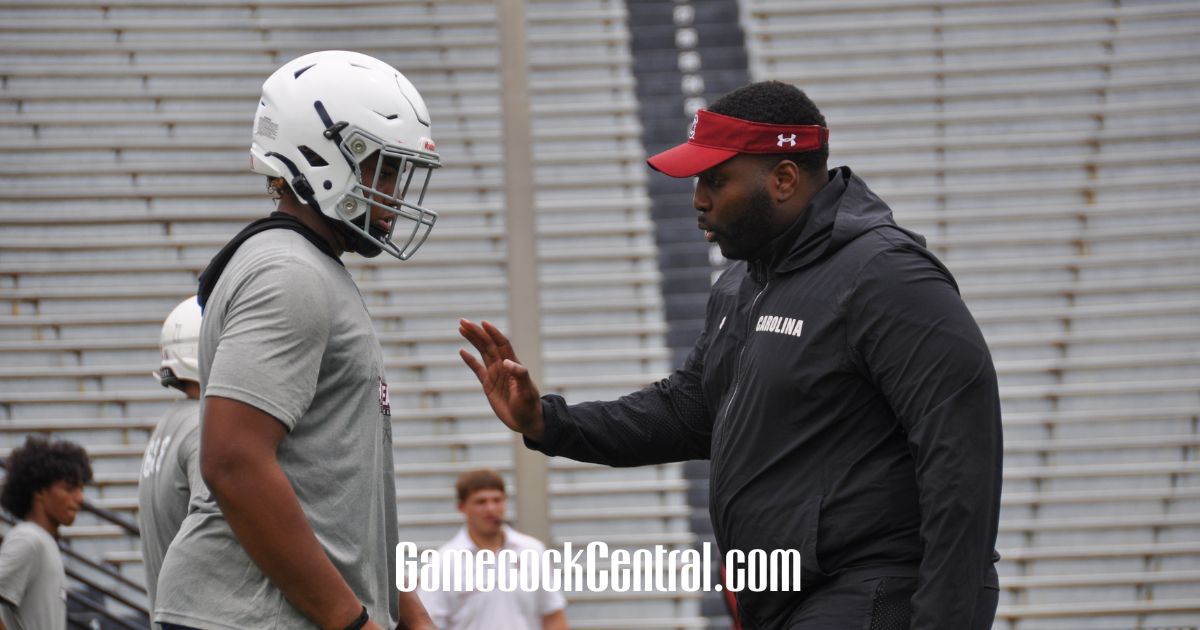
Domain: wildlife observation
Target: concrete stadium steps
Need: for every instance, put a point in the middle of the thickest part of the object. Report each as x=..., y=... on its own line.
x=1048, y=151
x=153, y=95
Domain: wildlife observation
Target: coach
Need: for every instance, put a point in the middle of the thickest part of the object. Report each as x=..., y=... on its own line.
x=840, y=387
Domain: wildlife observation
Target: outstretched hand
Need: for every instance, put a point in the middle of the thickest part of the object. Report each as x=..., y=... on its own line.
x=509, y=389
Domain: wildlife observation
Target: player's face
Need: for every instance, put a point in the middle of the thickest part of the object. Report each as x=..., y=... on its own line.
x=388, y=174
x=61, y=501
x=484, y=512
x=736, y=210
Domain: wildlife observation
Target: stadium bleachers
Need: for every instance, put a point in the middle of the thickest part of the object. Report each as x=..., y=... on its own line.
x=124, y=128
x=1049, y=153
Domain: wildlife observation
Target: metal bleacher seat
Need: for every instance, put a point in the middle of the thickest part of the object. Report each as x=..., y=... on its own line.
x=1050, y=153
x=123, y=131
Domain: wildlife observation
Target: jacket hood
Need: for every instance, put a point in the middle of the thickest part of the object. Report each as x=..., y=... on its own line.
x=839, y=213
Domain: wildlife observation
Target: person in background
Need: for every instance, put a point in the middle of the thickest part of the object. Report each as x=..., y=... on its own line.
x=44, y=489
x=170, y=474
x=483, y=502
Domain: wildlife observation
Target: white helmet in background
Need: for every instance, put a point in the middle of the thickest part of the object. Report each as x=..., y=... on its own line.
x=180, y=344
x=321, y=116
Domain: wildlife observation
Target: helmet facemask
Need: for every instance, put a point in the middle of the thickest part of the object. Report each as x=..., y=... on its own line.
x=408, y=171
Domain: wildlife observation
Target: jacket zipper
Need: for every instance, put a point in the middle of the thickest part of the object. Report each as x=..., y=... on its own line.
x=737, y=374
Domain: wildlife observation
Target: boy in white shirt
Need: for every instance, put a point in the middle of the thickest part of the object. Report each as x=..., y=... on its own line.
x=482, y=501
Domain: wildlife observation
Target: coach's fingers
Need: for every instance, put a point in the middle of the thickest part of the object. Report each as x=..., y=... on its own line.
x=473, y=333
x=475, y=365
x=525, y=404
x=497, y=395
x=516, y=369
x=479, y=338
x=503, y=346
x=522, y=387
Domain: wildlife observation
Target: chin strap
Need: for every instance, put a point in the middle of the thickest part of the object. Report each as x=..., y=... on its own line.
x=299, y=182
x=361, y=245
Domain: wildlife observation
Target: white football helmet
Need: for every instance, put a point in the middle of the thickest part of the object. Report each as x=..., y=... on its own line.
x=321, y=116
x=179, y=344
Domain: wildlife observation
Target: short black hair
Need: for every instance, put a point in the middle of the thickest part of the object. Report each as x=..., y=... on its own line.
x=777, y=103
x=37, y=465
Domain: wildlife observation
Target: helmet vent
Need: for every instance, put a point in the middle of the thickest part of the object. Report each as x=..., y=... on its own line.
x=302, y=71
x=314, y=158
x=388, y=116
x=415, y=109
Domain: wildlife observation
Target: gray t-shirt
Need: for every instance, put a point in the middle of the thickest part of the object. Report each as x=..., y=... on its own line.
x=286, y=331
x=33, y=589
x=170, y=477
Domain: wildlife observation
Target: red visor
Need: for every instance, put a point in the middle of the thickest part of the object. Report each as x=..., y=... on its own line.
x=714, y=138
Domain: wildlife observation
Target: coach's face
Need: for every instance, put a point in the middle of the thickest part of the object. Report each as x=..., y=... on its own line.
x=736, y=209
x=484, y=512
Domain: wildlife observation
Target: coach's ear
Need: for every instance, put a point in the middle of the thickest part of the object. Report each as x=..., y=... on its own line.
x=785, y=181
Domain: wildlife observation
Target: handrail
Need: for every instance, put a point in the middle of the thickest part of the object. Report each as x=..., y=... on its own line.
x=73, y=574
x=103, y=514
x=106, y=570
x=98, y=607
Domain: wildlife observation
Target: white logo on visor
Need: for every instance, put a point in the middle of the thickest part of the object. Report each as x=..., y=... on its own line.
x=692, y=127
x=790, y=140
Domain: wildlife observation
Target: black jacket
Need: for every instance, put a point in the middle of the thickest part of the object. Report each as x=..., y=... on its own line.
x=848, y=403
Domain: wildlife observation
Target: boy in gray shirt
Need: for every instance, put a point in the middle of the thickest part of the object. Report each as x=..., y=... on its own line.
x=299, y=530
x=43, y=488
x=170, y=474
